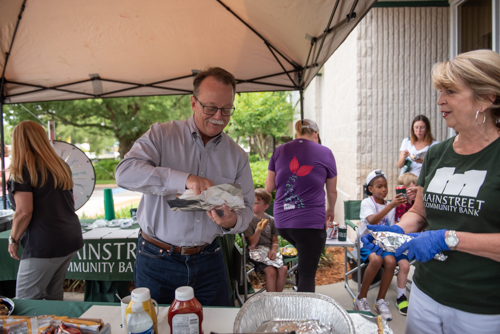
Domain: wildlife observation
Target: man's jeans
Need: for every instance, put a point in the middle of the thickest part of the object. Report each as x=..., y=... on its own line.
x=163, y=272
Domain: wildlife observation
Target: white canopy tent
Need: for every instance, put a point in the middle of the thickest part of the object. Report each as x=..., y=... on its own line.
x=62, y=50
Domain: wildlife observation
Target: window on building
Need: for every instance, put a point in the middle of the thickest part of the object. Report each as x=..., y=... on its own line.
x=475, y=25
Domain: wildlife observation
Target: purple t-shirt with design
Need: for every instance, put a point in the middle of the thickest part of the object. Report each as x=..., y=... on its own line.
x=302, y=167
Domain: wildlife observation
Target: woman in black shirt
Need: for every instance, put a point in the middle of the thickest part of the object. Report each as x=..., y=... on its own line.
x=45, y=222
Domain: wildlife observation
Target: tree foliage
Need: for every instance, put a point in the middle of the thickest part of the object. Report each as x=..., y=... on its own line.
x=125, y=119
x=260, y=117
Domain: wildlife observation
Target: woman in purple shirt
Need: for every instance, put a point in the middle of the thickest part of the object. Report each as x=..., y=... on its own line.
x=298, y=171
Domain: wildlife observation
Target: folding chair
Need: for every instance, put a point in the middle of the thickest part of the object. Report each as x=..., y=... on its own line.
x=351, y=212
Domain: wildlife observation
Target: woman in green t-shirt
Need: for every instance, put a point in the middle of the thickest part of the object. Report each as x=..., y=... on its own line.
x=458, y=206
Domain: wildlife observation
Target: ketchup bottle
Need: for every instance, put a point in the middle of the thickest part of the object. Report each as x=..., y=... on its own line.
x=185, y=314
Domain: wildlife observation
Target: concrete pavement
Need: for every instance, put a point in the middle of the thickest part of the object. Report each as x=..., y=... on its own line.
x=95, y=205
x=340, y=294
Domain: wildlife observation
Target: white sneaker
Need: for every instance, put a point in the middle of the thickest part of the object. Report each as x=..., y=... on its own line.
x=362, y=304
x=382, y=309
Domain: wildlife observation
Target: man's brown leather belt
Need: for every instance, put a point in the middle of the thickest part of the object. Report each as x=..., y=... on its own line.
x=167, y=247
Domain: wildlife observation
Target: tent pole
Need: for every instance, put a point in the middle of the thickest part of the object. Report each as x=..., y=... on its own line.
x=2, y=97
x=2, y=150
x=301, y=103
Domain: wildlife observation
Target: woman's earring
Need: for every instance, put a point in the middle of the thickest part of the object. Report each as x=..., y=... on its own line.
x=484, y=117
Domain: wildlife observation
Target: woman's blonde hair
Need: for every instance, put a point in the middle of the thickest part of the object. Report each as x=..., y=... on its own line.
x=479, y=70
x=302, y=127
x=31, y=149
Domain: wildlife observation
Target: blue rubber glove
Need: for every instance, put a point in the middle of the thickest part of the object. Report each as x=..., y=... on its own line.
x=367, y=241
x=385, y=228
x=424, y=246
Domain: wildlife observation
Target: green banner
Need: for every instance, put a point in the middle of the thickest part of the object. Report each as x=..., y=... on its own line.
x=104, y=260
x=99, y=259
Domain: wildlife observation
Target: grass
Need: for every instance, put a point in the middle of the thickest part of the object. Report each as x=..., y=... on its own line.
x=105, y=181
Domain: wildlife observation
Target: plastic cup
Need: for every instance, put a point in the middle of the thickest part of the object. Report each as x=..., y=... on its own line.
x=124, y=303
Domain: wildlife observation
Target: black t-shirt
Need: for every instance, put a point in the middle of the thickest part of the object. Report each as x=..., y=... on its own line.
x=54, y=229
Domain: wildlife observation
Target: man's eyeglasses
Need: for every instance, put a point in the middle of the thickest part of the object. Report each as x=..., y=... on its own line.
x=213, y=110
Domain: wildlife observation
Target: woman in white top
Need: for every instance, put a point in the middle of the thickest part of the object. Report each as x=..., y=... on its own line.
x=419, y=142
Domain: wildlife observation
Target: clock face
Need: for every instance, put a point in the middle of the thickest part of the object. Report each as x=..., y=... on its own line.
x=82, y=169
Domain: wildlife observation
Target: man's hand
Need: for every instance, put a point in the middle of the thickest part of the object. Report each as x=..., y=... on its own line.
x=198, y=184
x=228, y=221
x=13, y=248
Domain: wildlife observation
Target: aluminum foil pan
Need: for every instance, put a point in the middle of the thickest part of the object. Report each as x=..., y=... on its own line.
x=292, y=306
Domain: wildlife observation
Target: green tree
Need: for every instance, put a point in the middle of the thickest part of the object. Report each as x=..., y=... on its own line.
x=126, y=119
x=260, y=117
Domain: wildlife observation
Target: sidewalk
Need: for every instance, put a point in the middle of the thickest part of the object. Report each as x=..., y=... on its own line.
x=121, y=198
x=340, y=294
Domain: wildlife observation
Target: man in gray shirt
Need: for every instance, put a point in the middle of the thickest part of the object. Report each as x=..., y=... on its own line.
x=180, y=248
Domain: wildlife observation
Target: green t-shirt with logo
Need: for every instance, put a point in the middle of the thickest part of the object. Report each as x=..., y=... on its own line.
x=462, y=193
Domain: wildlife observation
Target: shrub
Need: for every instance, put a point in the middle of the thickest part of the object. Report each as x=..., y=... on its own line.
x=259, y=173
x=105, y=169
x=253, y=158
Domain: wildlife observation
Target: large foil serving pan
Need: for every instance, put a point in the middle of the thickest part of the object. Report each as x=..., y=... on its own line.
x=292, y=306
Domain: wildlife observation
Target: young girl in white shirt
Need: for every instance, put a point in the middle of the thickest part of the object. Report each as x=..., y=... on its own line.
x=375, y=210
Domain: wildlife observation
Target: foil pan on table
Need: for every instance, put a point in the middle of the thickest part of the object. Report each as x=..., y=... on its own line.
x=260, y=254
x=390, y=242
x=292, y=306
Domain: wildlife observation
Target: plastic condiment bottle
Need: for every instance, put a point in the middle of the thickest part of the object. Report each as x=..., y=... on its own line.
x=185, y=314
x=140, y=322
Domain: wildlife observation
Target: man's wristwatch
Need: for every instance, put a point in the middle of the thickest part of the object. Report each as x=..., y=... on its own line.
x=452, y=239
x=12, y=241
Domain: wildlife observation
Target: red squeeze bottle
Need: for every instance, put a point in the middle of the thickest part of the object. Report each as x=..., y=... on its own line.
x=185, y=314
